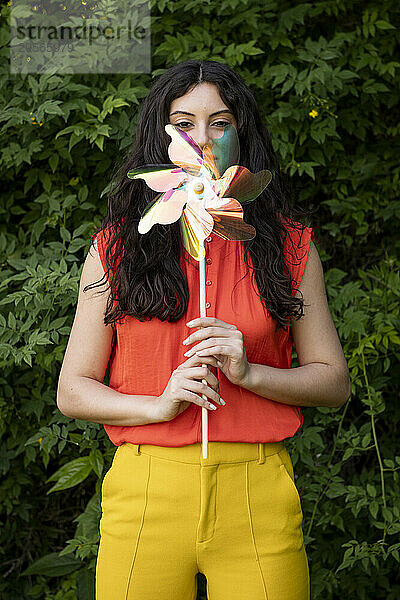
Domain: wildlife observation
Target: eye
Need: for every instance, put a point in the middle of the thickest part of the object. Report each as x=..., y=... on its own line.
x=222, y=123
x=184, y=124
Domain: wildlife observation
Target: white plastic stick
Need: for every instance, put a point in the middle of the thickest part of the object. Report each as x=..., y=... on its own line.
x=204, y=411
x=197, y=190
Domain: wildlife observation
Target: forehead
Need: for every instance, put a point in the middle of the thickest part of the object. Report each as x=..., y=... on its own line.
x=204, y=97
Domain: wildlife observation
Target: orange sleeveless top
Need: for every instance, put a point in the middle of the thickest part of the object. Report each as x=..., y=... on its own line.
x=146, y=353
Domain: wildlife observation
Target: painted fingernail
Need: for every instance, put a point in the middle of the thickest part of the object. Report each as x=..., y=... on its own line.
x=223, y=401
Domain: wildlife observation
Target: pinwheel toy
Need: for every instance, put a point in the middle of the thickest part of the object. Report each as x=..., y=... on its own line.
x=204, y=189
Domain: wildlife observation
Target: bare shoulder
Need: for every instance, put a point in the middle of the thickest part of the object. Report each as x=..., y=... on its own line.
x=313, y=281
x=314, y=334
x=90, y=340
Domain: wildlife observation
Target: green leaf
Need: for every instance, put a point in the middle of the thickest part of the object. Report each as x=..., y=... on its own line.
x=70, y=474
x=373, y=508
x=348, y=452
x=346, y=75
x=85, y=581
x=46, y=180
x=384, y=25
x=53, y=565
x=75, y=139
x=99, y=141
x=97, y=461
x=83, y=194
x=93, y=110
x=65, y=234
x=335, y=275
x=51, y=107
x=287, y=85
x=53, y=161
x=387, y=514
x=294, y=15
x=12, y=321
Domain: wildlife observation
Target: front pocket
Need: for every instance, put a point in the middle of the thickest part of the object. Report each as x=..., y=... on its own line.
x=104, y=482
x=287, y=470
x=274, y=508
x=106, y=479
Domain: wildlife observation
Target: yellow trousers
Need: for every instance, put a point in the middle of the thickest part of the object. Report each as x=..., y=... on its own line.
x=168, y=514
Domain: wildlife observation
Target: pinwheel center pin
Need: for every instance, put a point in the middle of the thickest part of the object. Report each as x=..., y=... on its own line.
x=198, y=187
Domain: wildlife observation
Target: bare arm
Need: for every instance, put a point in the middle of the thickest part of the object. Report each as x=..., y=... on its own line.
x=323, y=378
x=81, y=393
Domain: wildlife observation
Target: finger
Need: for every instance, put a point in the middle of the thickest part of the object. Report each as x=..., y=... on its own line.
x=202, y=388
x=197, y=374
x=210, y=344
x=207, y=332
x=224, y=351
x=195, y=360
x=211, y=362
x=193, y=397
x=205, y=373
x=207, y=321
x=199, y=361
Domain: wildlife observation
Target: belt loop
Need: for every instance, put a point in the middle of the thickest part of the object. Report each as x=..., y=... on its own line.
x=261, y=453
x=137, y=448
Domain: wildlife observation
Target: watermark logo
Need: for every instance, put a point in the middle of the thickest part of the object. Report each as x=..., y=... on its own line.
x=80, y=36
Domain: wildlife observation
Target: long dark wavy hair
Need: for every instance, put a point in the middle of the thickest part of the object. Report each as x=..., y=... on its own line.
x=148, y=281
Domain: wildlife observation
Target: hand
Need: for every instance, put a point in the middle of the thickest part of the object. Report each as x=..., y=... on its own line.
x=183, y=385
x=223, y=341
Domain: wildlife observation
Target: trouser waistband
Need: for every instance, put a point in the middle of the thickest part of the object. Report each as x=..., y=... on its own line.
x=218, y=452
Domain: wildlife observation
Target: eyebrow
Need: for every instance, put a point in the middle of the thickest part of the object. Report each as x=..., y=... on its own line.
x=182, y=112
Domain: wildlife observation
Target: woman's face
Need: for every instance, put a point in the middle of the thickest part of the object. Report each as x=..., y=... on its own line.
x=201, y=113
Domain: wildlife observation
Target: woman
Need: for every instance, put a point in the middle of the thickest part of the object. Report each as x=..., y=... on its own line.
x=167, y=512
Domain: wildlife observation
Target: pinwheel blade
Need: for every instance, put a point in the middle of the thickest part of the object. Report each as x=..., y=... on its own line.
x=196, y=225
x=228, y=222
x=160, y=178
x=183, y=150
x=240, y=183
x=223, y=152
x=166, y=208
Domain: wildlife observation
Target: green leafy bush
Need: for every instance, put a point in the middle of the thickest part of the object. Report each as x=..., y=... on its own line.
x=327, y=77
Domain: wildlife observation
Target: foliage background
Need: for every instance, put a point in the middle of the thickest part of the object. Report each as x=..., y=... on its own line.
x=327, y=76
